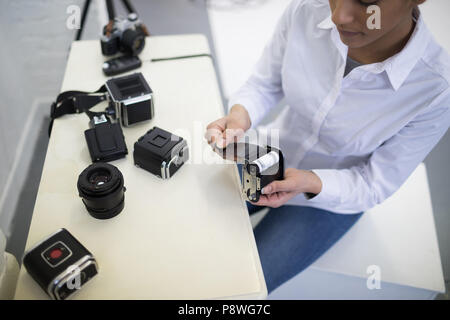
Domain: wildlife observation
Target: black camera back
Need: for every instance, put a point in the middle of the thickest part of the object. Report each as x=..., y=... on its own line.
x=105, y=140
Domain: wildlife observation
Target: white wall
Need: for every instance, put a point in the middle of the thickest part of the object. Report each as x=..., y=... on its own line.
x=436, y=15
x=239, y=37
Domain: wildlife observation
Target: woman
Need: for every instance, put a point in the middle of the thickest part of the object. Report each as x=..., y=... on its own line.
x=365, y=107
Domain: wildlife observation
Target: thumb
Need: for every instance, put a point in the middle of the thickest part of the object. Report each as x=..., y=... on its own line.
x=214, y=131
x=232, y=134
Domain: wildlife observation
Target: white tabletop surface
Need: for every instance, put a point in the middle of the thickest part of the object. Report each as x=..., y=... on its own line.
x=189, y=237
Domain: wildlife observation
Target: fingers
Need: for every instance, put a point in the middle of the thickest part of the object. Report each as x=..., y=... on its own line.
x=223, y=132
x=273, y=200
x=278, y=192
x=286, y=185
x=214, y=131
x=232, y=135
x=214, y=136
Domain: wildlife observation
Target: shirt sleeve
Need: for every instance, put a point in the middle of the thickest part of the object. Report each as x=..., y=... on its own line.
x=361, y=187
x=263, y=90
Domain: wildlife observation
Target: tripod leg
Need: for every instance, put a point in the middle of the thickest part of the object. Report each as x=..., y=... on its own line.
x=111, y=10
x=129, y=6
x=83, y=19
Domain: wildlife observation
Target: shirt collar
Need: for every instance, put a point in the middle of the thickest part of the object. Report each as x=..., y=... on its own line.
x=327, y=23
x=400, y=65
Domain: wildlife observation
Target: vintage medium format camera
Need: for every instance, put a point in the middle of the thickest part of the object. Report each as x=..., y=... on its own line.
x=60, y=264
x=259, y=171
x=126, y=35
x=130, y=102
x=260, y=166
x=160, y=152
x=101, y=187
x=131, y=99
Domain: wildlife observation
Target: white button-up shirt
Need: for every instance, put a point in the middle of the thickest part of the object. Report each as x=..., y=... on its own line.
x=364, y=134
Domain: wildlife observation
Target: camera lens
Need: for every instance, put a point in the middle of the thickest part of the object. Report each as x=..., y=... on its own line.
x=109, y=45
x=133, y=41
x=101, y=188
x=99, y=178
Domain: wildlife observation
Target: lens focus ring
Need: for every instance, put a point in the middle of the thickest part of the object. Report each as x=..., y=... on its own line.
x=133, y=41
x=101, y=187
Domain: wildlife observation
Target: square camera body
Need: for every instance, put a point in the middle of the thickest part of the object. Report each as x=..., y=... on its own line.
x=60, y=264
x=131, y=98
x=160, y=152
x=260, y=166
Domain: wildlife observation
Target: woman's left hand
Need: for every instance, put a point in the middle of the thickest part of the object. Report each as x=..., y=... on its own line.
x=295, y=181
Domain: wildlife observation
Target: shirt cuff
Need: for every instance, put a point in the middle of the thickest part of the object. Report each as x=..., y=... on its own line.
x=330, y=192
x=255, y=114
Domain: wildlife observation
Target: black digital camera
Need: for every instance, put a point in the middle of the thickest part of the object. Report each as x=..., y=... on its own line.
x=123, y=35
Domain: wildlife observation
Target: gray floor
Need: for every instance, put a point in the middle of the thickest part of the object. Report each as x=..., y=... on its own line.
x=24, y=209
x=437, y=163
x=175, y=16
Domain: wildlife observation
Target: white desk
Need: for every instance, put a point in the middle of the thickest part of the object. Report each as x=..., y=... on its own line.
x=186, y=238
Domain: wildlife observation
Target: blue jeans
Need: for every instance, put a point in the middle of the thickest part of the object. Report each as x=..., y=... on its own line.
x=291, y=238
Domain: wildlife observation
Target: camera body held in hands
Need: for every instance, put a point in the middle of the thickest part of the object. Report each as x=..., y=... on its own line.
x=260, y=165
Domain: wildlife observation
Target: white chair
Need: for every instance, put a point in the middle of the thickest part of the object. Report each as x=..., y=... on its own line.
x=9, y=271
x=397, y=239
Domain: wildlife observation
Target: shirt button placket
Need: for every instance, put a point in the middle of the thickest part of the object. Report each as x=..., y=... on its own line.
x=319, y=117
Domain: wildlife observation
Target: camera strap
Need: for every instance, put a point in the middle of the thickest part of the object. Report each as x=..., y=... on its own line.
x=70, y=102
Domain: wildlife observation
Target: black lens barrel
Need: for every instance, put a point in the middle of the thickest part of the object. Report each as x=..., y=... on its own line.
x=103, y=197
x=110, y=46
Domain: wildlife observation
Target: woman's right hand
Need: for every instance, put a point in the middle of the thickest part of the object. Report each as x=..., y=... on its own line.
x=228, y=129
